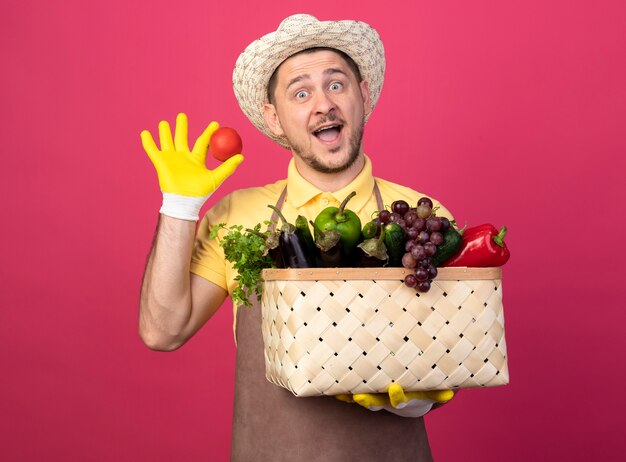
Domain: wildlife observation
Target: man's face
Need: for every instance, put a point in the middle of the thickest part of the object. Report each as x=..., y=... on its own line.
x=319, y=107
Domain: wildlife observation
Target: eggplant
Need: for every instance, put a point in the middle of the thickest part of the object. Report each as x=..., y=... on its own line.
x=329, y=250
x=373, y=251
x=292, y=245
x=272, y=248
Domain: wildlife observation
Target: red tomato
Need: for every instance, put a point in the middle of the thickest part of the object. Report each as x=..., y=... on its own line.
x=225, y=143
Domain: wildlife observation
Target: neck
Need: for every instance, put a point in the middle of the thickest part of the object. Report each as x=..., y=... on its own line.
x=330, y=182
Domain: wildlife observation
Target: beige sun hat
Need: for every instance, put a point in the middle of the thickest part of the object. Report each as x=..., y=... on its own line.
x=259, y=60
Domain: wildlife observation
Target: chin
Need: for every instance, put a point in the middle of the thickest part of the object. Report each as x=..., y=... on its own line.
x=327, y=160
x=332, y=162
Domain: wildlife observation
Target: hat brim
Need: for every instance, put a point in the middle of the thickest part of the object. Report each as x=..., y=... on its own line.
x=261, y=58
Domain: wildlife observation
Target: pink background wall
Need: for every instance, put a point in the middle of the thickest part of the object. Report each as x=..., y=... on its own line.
x=508, y=112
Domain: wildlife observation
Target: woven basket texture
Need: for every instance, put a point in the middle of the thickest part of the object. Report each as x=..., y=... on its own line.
x=358, y=331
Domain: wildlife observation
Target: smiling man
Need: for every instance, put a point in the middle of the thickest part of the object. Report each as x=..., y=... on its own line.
x=322, y=101
x=310, y=86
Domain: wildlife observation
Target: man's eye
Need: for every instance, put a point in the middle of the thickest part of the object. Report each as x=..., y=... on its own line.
x=336, y=86
x=301, y=94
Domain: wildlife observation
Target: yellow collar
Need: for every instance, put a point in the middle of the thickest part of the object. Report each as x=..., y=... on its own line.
x=301, y=191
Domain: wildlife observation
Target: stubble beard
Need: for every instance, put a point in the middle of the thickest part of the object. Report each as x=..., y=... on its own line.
x=316, y=164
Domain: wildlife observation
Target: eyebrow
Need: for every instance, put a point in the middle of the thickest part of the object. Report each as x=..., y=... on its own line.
x=300, y=78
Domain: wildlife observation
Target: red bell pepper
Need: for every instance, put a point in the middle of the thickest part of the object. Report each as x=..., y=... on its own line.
x=482, y=245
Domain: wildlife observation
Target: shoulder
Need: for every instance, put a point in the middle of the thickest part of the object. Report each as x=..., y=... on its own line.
x=259, y=193
x=392, y=191
x=247, y=206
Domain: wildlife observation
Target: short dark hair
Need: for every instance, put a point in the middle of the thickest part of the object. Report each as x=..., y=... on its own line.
x=271, y=85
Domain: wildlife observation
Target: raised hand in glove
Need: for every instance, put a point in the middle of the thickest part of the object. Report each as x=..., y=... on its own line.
x=409, y=404
x=185, y=181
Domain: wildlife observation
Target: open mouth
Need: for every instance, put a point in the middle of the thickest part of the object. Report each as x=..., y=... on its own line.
x=328, y=134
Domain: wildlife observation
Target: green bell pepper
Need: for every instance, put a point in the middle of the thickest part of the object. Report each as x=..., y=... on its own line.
x=345, y=222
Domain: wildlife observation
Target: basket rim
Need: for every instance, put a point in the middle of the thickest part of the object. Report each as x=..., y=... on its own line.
x=321, y=274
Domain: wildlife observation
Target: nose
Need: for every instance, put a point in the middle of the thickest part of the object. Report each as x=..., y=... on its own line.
x=323, y=103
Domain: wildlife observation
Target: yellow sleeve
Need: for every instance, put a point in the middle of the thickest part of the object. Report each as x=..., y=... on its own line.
x=208, y=258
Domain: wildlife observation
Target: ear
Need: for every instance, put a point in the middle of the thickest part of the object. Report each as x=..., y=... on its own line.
x=271, y=118
x=365, y=93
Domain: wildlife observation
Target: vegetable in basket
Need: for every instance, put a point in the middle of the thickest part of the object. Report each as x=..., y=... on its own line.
x=373, y=251
x=271, y=239
x=302, y=226
x=482, y=245
x=452, y=241
x=345, y=221
x=395, y=240
x=371, y=229
x=328, y=252
x=292, y=245
x=246, y=250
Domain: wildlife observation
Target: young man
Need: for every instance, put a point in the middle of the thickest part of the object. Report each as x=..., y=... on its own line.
x=310, y=86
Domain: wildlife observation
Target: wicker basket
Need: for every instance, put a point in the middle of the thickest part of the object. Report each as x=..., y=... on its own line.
x=329, y=331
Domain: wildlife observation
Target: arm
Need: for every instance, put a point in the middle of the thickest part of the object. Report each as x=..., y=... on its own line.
x=174, y=303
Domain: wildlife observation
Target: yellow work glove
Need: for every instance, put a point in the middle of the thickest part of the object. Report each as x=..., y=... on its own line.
x=185, y=181
x=396, y=401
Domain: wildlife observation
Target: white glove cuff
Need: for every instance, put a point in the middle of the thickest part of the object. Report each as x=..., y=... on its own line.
x=182, y=207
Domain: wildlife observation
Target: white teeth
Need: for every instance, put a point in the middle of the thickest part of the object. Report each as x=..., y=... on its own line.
x=326, y=128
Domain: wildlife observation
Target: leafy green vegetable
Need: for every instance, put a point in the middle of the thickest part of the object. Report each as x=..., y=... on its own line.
x=245, y=249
